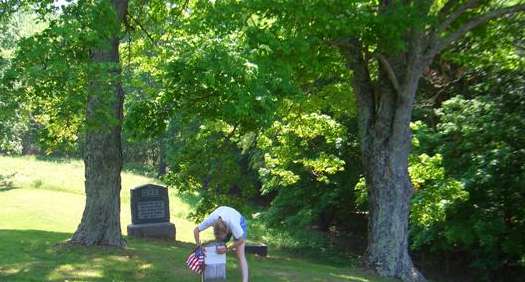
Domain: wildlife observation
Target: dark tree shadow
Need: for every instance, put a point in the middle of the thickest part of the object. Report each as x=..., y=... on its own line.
x=34, y=255
x=6, y=182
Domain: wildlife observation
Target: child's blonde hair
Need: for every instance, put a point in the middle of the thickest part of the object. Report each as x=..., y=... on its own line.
x=220, y=230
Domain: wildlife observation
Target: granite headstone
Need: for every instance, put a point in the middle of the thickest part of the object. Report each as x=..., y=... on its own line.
x=150, y=213
x=257, y=249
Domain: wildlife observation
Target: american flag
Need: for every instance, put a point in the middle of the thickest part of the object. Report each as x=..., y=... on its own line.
x=195, y=261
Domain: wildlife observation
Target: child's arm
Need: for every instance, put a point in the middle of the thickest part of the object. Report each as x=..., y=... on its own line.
x=204, y=225
x=196, y=234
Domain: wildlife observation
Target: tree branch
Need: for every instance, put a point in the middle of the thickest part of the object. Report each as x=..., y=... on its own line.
x=448, y=7
x=227, y=138
x=390, y=72
x=352, y=50
x=148, y=35
x=439, y=44
x=456, y=14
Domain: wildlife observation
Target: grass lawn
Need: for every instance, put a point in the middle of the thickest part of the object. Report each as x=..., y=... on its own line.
x=42, y=202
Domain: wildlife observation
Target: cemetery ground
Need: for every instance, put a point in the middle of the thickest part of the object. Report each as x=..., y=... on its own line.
x=41, y=203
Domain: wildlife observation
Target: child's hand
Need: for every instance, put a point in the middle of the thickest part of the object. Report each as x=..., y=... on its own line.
x=221, y=249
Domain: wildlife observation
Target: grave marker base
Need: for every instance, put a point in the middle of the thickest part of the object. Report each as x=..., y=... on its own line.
x=258, y=249
x=164, y=230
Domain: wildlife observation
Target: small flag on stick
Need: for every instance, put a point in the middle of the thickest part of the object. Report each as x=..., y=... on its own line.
x=195, y=261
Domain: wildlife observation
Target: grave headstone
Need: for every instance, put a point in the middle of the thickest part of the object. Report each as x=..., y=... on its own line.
x=150, y=213
x=214, y=264
x=258, y=249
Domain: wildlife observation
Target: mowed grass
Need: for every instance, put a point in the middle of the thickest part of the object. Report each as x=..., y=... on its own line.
x=41, y=204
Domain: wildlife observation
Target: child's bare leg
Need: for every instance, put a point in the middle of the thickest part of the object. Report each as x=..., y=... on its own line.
x=242, y=261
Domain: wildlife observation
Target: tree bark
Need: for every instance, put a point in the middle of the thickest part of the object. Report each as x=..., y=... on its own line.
x=389, y=192
x=385, y=108
x=386, y=146
x=100, y=224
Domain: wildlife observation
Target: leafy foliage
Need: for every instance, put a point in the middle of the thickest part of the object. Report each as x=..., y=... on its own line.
x=50, y=69
x=15, y=120
x=488, y=153
x=437, y=195
x=479, y=140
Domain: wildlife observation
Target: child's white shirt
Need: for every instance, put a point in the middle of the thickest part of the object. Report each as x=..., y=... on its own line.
x=230, y=216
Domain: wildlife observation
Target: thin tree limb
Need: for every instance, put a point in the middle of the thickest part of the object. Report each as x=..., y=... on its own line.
x=227, y=138
x=352, y=50
x=390, y=72
x=448, y=7
x=146, y=32
x=447, y=16
x=230, y=134
x=456, y=14
x=148, y=35
x=440, y=44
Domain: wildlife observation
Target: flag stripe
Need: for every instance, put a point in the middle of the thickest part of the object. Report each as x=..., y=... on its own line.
x=195, y=261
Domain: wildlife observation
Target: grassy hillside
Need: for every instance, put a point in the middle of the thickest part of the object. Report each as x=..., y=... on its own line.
x=47, y=195
x=41, y=203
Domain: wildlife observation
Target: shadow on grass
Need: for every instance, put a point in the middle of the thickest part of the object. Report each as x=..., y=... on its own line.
x=6, y=183
x=58, y=159
x=33, y=255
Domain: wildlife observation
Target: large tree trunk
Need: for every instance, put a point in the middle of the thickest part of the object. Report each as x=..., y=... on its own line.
x=389, y=192
x=386, y=145
x=385, y=109
x=100, y=223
